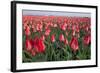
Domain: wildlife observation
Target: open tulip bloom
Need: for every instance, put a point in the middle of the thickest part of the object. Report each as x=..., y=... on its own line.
x=56, y=38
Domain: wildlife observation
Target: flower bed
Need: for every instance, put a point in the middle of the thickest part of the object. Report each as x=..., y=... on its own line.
x=56, y=38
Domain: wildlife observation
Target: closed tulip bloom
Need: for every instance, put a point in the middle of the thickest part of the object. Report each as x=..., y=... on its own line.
x=87, y=39
x=63, y=27
x=74, y=44
x=47, y=32
x=27, y=31
x=28, y=45
x=66, y=41
x=61, y=37
x=53, y=38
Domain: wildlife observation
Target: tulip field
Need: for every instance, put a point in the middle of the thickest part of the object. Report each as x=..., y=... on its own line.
x=55, y=38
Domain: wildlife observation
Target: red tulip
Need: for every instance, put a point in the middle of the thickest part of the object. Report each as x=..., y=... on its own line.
x=38, y=45
x=63, y=27
x=46, y=26
x=28, y=45
x=86, y=39
x=47, y=32
x=25, y=24
x=73, y=27
x=53, y=38
x=27, y=31
x=33, y=28
x=61, y=37
x=74, y=44
x=77, y=28
x=66, y=41
x=39, y=27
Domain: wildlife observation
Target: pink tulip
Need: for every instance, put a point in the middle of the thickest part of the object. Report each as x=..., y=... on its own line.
x=47, y=32
x=87, y=39
x=53, y=38
x=43, y=37
x=66, y=33
x=66, y=41
x=74, y=44
x=61, y=37
x=39, y=27
x=33, y=52
x=27, y=31
x=28, y=45
x=63, y=27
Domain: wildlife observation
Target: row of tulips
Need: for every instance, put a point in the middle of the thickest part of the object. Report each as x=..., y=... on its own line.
x=54, y=38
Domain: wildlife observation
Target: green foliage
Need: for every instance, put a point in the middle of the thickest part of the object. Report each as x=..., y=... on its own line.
x=57, y=51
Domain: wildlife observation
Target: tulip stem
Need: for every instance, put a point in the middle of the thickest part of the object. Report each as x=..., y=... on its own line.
x=73, y=55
